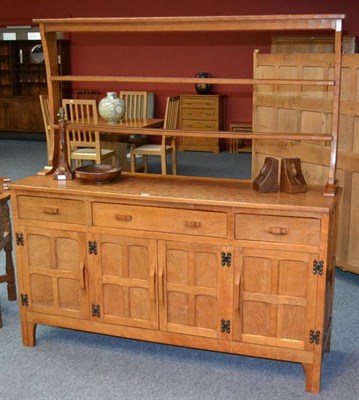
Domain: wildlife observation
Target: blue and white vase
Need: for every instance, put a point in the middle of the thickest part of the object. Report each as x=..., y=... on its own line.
x=112, y=108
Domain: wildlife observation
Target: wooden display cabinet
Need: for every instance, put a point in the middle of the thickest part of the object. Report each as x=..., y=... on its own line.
x=197, y=262
x=22, y=81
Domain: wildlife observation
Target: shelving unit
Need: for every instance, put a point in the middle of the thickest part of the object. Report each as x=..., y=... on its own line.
x=21, y=82
x=197, y=262
x=332, y=22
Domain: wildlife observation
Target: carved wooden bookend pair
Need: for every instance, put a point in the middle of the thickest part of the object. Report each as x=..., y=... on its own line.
x=63, y=170
x=291, y=176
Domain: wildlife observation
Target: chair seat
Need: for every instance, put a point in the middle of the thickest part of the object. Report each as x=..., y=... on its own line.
x=91, y=152
x=149, y=148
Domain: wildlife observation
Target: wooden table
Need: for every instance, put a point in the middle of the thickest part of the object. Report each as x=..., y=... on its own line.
x=6, y=245
x=117, y=141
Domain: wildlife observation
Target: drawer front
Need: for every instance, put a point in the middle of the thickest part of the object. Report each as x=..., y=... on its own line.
x=200, y=125
x=201, y=223
x=200, y=141
x=199, y=102
x=270, y=228
x=201, y=114
x=49, y=209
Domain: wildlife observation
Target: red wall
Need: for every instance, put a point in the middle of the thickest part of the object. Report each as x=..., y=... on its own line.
x=224, y=55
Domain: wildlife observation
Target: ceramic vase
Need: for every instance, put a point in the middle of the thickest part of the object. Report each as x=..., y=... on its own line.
x=203, y=88
x=111, y=108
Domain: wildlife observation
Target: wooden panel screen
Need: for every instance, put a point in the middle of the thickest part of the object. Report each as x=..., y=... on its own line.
x=308, y=109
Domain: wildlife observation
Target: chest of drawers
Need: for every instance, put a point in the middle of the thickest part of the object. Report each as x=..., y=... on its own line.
x=201, y=113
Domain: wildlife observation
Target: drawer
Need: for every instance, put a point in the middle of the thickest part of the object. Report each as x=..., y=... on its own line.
x=49, y=209
x=199, y=125
x=200, y=114
x=200, y=141
x=270, y=228
x=187, y=222
x=199, y=102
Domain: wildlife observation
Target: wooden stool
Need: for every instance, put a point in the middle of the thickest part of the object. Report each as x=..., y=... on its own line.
x=6, y=245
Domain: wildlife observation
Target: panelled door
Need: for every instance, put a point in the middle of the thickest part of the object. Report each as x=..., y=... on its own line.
x=54, y=268
x=276, y=293
x=125, y=280
x=195, y=287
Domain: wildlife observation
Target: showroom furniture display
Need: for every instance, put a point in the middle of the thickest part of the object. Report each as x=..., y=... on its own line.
x=198, y=262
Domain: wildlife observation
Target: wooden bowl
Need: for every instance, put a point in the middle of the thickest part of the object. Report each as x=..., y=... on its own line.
x=97, y=173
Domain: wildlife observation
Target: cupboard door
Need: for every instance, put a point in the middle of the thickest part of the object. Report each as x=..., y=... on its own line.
x=277, y=298
x=125, y=270
x=54, y=271
x=194, y=289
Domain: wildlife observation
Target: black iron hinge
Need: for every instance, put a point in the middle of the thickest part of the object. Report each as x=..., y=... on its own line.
x=226, y=259
x=19, y=239
x=318, y=267
x=95, y=310
x=24, y=299
x=225, y=326
x=314, y=336
x=92, y=247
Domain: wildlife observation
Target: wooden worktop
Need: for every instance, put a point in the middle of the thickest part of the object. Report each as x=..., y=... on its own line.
x=185, y=190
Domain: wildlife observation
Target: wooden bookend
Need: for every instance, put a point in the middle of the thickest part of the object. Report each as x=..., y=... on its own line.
x=63, y=170
x=291, y=177
x=267, y=180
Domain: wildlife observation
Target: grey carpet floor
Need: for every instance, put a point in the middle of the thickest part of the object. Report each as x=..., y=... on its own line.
x=71, y=365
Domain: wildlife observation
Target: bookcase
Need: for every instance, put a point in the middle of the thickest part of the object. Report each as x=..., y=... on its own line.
x=22, y=80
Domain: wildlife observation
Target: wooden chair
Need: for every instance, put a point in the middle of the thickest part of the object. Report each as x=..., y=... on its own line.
x=44, y=103
x=86, y=94
x=168, y=142
x=84, y=144
x=6, y=245
x=139, y=104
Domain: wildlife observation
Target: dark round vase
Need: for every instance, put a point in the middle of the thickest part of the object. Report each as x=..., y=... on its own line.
x=203, y=88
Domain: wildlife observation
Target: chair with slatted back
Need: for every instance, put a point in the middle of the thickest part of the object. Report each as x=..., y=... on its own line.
x=138, y=104
x=45, y=109
x=86, y=94
x=84, y=144
x=168, y=142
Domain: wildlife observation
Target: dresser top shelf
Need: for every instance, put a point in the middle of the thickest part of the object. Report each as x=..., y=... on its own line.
x=183, y=190
x=193, y=24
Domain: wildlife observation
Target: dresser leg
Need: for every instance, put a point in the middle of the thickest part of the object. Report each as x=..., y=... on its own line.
x=312, y=377
x=28, y=333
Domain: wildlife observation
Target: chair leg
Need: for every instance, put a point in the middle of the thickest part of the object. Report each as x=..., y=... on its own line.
x=145, y=164
x=164, y=164
x=9, y=267
x=133, y=162
x=174, y=162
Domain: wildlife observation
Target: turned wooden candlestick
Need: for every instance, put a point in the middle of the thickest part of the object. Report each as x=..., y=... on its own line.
x=63, y=170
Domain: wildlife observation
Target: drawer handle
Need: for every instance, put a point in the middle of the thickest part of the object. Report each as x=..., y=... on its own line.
x=51, y=210
x=123, y=217
x=277, y=230
x=192, y=224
